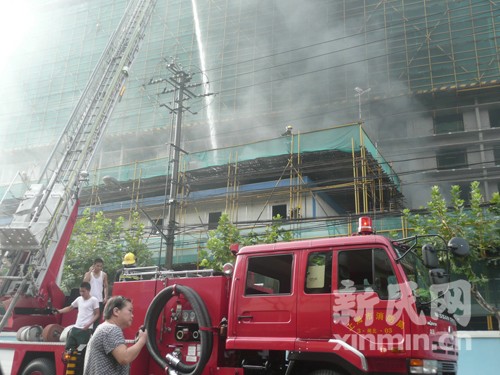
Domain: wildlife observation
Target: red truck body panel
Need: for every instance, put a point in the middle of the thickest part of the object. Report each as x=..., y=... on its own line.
x=25, y=351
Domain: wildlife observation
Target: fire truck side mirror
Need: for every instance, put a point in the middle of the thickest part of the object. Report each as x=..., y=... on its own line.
x=429, y=256
x=438, y=276
x=459, y=247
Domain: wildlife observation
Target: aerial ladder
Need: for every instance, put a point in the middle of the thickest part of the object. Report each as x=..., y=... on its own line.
x=36, y=238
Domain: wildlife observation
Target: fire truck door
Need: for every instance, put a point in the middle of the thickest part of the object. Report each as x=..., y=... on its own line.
x=266, y=308
x=366, y=308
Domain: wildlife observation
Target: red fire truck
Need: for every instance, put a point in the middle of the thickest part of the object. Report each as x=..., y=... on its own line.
x=348, y=305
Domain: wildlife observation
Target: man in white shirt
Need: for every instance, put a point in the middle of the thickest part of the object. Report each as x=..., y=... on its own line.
x=88, y=312
x=98, y=280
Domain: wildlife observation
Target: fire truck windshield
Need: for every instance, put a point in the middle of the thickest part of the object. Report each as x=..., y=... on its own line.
x=416, y=273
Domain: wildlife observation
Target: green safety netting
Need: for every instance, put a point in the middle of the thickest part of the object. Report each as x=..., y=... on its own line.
x=341, y=138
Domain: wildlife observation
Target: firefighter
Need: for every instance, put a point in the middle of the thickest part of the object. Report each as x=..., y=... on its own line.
x=129, y=261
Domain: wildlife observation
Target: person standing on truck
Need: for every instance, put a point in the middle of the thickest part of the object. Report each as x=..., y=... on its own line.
x=88, y=313
x=107, y=352
x=129, y=261
x=98, y=280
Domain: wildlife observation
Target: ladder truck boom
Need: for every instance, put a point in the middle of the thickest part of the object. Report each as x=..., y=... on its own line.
x=36, y=238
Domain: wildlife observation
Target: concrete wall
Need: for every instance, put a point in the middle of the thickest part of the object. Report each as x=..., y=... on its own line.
x=479, y=353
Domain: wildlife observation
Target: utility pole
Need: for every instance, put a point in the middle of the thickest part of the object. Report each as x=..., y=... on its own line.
x=181, y=87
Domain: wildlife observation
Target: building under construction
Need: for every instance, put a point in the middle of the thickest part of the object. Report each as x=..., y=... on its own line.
x=422, y=78
x=269, y=84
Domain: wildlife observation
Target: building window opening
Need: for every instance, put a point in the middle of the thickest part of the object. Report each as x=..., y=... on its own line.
x=496, y=155
x=157, y=226
x=451, y=159
x=448, y=123
x=494, y=118
x=213, y=220
x=280, y=209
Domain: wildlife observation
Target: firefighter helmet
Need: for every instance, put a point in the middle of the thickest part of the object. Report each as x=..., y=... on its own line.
x=128, y=259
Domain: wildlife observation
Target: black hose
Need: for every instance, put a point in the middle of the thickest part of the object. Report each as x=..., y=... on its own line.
x=204, y=323
x=204, y=326
x=151, y=320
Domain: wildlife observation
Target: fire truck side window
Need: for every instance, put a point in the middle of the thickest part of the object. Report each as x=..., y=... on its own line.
x=269, y=275
x=368, y=270
x=319, y=273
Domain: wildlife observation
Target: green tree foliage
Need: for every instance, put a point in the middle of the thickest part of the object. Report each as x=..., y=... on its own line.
x=479, y=224
x=218, y=244
x=275, y=232
x=219, y=241
x=96, y=236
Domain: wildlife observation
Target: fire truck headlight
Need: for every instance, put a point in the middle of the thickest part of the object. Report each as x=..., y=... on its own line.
x=228, y=269
x=423, y=366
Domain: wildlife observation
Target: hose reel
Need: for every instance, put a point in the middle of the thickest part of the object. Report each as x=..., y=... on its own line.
x=205, y=333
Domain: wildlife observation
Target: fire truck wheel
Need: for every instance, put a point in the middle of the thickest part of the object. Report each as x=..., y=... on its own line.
x=40, y=366
x=325, y=372
x=206, y=336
